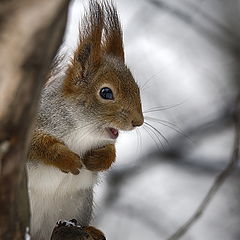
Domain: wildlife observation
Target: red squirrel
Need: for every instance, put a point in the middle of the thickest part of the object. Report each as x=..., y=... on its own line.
x=81, y=113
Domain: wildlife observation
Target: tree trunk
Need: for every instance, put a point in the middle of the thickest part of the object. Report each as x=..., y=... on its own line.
x=30, y=34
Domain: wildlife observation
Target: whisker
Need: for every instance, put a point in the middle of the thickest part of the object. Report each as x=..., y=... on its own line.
x=160, y=120
x=162, y=108
x=169, y=125
x=140, y=137
x=143, y=87
x=155, y=129
x=150, y=134
x=139, y=140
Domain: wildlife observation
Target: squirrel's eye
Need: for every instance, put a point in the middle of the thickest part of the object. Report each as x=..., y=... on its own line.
x=106, y=93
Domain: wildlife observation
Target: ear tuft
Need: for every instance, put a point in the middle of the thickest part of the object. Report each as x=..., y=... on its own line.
x=88, y=53
x=113, y=42
x=84, y=54
x=100, y=34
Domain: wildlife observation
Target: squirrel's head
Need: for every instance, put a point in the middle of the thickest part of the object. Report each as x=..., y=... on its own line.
x=98, y=80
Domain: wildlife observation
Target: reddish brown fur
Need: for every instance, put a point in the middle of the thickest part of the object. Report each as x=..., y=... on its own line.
x=94, y=44
x=87, y=56
x=51, y=151
x=98, y=61
x=95, y=63
x=113, y=43
x=95, y=233
x=125, y=108
x=100, y=159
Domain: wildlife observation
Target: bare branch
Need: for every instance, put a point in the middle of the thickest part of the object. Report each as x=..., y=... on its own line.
x=220, y=179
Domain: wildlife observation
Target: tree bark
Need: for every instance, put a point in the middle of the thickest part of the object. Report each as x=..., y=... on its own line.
x=31, y=31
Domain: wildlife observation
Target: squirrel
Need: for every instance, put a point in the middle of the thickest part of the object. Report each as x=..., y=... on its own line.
x=81, y=112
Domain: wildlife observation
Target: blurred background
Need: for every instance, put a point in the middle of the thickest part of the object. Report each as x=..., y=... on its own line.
x=185, y=56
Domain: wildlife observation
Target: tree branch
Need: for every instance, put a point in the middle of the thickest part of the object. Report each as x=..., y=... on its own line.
x=30, y=34
x=220, y=179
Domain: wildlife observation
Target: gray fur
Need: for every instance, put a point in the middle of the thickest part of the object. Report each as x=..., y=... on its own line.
x=55, y=195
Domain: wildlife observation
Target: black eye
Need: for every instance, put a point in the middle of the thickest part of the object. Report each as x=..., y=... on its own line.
x=106, y=93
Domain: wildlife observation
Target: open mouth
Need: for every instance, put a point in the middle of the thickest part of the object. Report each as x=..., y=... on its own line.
x=113, y=133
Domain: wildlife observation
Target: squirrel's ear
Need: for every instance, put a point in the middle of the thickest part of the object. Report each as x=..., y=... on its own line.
x=88, y=53
x=113, y=42
x=83, y=54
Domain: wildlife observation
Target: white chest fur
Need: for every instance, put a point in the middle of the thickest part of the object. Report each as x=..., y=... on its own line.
x=55, y=195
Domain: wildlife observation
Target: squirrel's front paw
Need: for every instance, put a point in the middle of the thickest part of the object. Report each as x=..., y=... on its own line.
x=100, y=159
x=67, y=161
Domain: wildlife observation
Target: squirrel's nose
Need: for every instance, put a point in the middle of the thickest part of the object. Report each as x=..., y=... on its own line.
x=138, y=121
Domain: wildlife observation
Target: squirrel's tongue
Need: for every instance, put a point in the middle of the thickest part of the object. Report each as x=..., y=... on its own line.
x=113, y=133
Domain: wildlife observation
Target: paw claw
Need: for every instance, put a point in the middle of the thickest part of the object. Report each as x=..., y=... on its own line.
x=75, y=171
x=74, y=221
x=66, y=223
